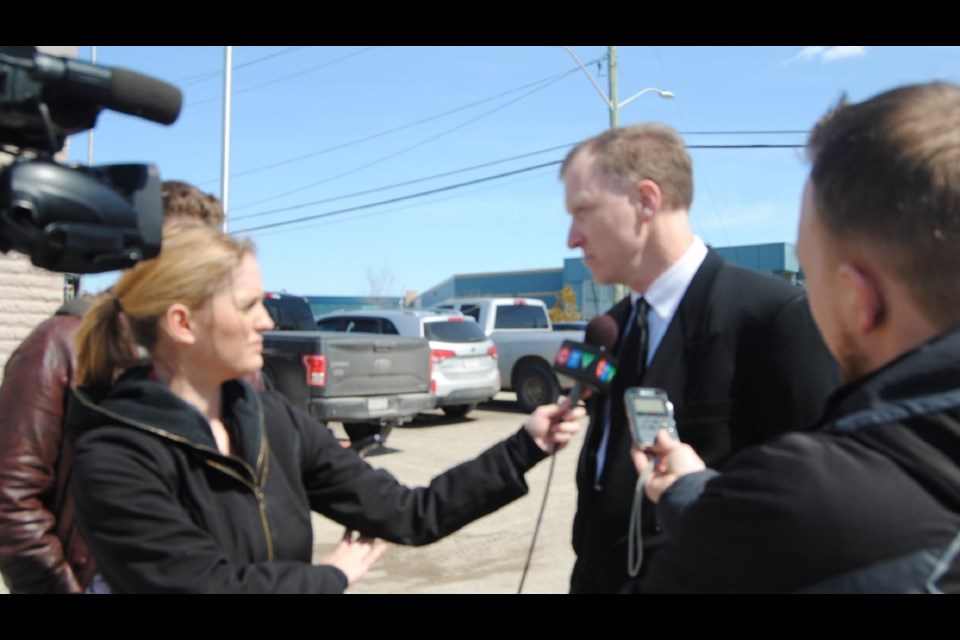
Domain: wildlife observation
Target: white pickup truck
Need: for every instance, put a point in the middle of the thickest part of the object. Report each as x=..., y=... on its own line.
x=526, y=344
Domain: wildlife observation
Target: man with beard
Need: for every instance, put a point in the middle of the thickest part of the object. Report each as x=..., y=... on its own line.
x=871, y=501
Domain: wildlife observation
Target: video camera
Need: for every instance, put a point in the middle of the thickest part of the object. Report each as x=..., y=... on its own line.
x=75, y=219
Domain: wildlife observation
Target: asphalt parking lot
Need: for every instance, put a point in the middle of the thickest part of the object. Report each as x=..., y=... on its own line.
x=486, y=556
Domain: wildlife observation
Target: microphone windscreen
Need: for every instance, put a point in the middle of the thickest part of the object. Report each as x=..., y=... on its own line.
x=145, y=97
x=602, y=331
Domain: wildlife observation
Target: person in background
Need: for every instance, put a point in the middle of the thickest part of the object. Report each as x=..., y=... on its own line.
x=735, y=350
x=870, y=501
x=41, y=550
x=186, y=480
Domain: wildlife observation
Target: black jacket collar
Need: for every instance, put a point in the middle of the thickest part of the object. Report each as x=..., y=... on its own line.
x=929, y=371
x=137, y=400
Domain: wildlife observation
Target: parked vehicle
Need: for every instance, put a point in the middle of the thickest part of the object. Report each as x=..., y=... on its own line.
x=526, y=345
x=570, y=325
x=465, y=370
x=369, y=383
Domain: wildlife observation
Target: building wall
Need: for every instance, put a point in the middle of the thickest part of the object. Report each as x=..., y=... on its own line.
x=592, y=298
x=28, y=296
x=779, y=259
x=328, y=304
x=543, y=284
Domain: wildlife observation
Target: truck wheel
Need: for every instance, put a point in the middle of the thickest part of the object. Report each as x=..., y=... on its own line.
x=536, y=385
x=458, y=410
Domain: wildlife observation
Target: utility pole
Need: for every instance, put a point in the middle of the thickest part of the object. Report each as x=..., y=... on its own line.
x=225, y=159
x=614, y=99
x=619, y=289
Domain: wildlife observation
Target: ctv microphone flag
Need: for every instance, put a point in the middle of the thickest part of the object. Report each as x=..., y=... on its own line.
x=591, y=365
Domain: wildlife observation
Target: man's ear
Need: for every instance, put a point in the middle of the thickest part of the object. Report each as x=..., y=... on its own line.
x=648, y=197
x=864, y=295
x=179, y=323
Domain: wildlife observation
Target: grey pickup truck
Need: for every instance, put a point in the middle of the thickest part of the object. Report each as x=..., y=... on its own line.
x=370, y=383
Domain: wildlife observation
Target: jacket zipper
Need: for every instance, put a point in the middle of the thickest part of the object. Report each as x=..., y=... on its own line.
x=263, y=460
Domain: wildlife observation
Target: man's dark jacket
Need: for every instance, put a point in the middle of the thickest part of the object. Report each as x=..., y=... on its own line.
x=741, y=361
x=870, y=503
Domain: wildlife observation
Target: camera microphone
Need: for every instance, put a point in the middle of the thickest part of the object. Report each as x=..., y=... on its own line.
x=114, y=88
x=590, y=363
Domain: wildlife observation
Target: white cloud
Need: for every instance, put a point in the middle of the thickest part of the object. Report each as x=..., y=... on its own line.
x=836, y=53
x=827, y=54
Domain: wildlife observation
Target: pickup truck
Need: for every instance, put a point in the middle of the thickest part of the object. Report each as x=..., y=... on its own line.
x=526, y=345
x=370, y=383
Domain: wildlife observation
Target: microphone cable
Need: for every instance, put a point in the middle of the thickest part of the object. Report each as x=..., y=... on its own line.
x=536, y=529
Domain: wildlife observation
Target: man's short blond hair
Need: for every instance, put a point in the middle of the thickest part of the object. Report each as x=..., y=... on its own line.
x=648, y=151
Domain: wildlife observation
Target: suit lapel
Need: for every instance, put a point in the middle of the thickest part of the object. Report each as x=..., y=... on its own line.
x=668, y=369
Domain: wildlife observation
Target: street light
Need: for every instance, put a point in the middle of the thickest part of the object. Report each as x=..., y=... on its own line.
x=612, y=104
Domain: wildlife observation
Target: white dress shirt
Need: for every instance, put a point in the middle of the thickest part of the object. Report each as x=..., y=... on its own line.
x=663, y=295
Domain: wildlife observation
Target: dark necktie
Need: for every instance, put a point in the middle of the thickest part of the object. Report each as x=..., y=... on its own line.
x=632, y=358
x=633, y=353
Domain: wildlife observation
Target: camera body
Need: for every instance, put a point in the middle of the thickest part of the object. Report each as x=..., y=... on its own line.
x=648, y=410
x=75, y=219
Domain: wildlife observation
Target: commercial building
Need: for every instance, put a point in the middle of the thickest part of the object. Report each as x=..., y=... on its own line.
x=777, y=258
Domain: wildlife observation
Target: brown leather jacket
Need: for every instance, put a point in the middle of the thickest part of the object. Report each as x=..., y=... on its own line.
x=40, y=548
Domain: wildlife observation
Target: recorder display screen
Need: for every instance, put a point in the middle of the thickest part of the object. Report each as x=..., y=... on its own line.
x=655, y=406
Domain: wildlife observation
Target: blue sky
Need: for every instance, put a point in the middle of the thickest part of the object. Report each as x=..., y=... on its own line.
x=357, y=138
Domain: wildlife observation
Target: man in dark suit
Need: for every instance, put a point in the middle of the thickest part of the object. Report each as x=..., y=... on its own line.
x=736, y=350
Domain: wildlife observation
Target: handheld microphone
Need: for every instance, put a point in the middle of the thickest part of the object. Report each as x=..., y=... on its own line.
x=591, y=363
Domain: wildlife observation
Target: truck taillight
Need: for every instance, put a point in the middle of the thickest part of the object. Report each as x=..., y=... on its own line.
x=316, y=369
x=433, y=381
x=492, y=352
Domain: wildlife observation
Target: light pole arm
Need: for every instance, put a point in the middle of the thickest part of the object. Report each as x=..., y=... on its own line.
x=663, y=94
x=590, y=78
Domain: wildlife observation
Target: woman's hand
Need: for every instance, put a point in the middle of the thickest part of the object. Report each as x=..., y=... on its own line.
x=355, y=555
x=552, y=426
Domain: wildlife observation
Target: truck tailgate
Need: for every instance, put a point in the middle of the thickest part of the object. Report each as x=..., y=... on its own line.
x=376, y=365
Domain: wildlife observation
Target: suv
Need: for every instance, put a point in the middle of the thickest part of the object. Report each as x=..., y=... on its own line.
x=465, y=370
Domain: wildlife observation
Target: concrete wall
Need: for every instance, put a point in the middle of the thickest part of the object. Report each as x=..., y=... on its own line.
x=28, y=296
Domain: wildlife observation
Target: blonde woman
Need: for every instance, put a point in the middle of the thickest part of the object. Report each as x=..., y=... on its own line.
x=187, y=480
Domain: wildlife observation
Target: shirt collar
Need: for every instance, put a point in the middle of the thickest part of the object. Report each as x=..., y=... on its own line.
x=666, y=292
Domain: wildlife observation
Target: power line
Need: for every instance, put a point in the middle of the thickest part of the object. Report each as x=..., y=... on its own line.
x=503, y=161
x=392, y=200
x=410, y=182
x=431, y=201
x=283, y=78
x=380, y=134
x=458, y=186
x=432, y=138
x=209, y=75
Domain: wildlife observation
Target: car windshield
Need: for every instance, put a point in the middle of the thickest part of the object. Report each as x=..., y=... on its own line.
x=453, y=331
x=521, y=316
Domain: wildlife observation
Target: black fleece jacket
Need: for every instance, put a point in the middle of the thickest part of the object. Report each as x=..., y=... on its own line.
x=869, y=503
x=164, y=511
